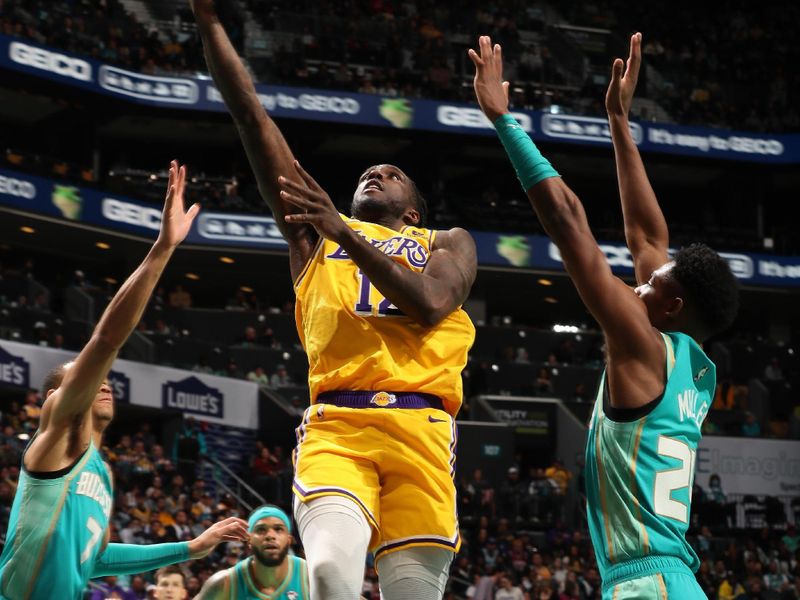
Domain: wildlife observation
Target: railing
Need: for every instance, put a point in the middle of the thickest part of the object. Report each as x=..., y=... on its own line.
x=241, y=491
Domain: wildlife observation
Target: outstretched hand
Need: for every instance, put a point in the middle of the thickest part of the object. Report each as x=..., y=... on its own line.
x=203, y=8
x=620, y=90
x=318, y=209
x=231, y=529
x=176, y=221
x=490, y=89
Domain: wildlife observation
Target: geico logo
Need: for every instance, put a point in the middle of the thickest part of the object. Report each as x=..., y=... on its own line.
x=754, y=146
x=617, y=256
x=331, y=104
x=17, y=187
x=39, y=58
x=133, y=214
x=458, y=116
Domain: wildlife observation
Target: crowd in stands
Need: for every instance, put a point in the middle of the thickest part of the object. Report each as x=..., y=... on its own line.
x=725, y=68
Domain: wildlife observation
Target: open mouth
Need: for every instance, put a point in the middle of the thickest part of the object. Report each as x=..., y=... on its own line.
x=373, y=185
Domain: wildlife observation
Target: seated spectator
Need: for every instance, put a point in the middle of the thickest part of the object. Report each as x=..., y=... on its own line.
x=559, y=473
x=508, y=591
x=543, y=386
x=258, y=376
x=280, y=378
x=773, y=371
x=751, y=427
x=108, y=588
x=249, y=339
x=180, y=298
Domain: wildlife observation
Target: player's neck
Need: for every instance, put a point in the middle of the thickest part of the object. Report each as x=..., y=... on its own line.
x=268, y=578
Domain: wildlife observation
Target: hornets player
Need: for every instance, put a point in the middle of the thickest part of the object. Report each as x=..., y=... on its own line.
x=270, y=573
x=658, y=383
x=378, y=313
x=58, y=529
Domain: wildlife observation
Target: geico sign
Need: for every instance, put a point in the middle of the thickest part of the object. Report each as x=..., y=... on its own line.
x=329, y=104
x=617, y=256
x=17, y=187
x=54, y=62
x=460, y=116
x=132, y=214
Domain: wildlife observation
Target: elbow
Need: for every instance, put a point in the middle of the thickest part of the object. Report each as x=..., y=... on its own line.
x=433, y=313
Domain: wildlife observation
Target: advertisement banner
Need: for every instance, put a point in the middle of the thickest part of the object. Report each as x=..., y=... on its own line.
x=206, y=397
x=752, y=466
x=71, y=203
x=199, y=93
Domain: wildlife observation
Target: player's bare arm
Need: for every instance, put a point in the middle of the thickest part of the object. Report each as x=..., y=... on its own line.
x=215, y=587
x=646, y=230
x=267, y=151
x=426, y=297
x=635, y=348
x=65, y=409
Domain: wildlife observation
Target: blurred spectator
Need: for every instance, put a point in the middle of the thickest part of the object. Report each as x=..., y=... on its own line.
x=280, y=378
x=751, y=427
x=258, y=376
x=508, y=591
x=180, y=298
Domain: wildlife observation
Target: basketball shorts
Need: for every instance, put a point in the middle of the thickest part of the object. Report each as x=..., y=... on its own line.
x=393, y=455
x=652, y=578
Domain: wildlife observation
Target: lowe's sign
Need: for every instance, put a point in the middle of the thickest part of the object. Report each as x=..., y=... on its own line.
x=194, y=93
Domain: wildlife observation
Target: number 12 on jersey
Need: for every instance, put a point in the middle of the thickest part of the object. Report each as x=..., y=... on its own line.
x=364, y=305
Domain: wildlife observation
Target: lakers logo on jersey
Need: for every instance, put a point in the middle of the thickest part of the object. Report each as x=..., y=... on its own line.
x=383, y=399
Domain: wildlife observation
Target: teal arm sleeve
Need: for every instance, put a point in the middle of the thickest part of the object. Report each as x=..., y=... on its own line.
x=528, y=162
x=130, y=559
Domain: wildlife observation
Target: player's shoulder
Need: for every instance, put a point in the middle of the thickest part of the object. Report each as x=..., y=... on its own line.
x=216, y=585
x=457, y=239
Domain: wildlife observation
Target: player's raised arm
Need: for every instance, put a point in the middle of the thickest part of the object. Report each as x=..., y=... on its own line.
x=645, y=227
x=266, y=148
x=616, y=307
x=216, y=587
x=81, y=382
x=426, y=297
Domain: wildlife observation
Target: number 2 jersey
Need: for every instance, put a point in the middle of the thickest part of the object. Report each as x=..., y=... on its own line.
x=55, y=531
x=358, y=340
x=639, y=473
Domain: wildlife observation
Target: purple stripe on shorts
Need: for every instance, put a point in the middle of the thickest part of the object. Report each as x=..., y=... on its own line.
x=370, y=399
x=417, y=541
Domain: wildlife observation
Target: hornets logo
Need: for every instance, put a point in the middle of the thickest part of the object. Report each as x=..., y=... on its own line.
x=383, y=399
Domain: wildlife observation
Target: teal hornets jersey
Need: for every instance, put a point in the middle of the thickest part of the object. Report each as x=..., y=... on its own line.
x=639, y=474
x=242, y=587
x=56, y=531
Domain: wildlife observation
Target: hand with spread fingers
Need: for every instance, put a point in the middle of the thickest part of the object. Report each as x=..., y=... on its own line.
x=231, y=529
x=317, y=206
x=620, y=90
x=176, y=221
x=491, y=90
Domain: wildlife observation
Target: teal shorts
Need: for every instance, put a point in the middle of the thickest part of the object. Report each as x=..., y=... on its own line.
x=652, y=578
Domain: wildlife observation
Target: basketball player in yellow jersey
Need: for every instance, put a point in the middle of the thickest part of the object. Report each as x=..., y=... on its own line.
x=378, y=311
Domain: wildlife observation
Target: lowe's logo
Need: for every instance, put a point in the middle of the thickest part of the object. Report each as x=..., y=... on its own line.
x=120, y=386
x=191, y=395
x=14, y=370
x=148, y=87
x=588, y=129
x=232, y=228
x=52, y=62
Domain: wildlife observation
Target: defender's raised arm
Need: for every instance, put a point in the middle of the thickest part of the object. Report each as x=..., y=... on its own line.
x=646, y=230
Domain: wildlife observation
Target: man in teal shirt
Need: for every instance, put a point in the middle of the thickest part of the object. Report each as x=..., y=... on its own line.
x=270, y=572
x=658, y=384
x=58, y=533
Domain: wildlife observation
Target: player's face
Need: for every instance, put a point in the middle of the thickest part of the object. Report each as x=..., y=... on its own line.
x=270, y=541
x=382, y=190
x=103, y=407
x=170, y=587
x=659, y=295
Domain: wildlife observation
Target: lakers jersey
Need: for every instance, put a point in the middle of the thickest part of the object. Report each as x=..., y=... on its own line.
x=240, y=584
x=56, y=531
x=358, y=340
x=639, y=474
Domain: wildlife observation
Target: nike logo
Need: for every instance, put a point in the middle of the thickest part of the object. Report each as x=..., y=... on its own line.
x=435, y=420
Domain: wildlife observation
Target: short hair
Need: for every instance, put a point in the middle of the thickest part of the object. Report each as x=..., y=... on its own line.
x=710, y=286
x=420, y=203
x=171, y=570
x=54, y=378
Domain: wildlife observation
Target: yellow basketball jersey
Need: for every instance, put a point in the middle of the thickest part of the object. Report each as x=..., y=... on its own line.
x=358, y=340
